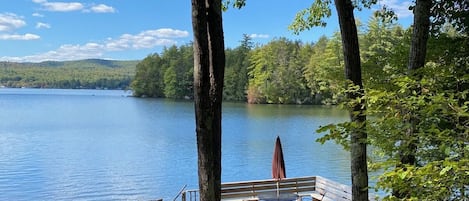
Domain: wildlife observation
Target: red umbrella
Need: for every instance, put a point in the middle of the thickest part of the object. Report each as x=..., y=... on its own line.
x=278, y=164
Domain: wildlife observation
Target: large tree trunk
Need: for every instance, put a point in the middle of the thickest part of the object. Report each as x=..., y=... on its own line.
x=209, y=66
x=348, y=30
x=418, y=52
x=421, y=28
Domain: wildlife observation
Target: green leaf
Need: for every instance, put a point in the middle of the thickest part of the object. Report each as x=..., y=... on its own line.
x=403, y=175
x=445, y=170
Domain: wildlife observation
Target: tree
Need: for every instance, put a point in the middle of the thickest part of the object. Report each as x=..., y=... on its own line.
x=324, y=72
x=379, y=45
x=351, y=51
x=422, y=112
x=276, y=73
x=79, y=74
x=209, y=66
x=178, y=62
x=358, y=136
x=440, y=133
x=313, y=72
x=148, y=80
x=420, y=102
x=454, y=12
x=236, y=75
x=421, y=28
x=418, y=51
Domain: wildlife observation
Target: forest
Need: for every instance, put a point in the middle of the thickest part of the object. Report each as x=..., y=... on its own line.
x=82, y=74
x=292, y=72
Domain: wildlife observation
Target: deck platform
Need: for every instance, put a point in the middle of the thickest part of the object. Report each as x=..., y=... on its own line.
x=314, y=188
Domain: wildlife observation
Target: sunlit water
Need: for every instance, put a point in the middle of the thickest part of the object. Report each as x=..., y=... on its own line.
x=104, y=145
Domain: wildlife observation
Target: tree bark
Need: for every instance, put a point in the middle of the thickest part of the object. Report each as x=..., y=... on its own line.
x=209, y=67
x=417, y=55
x=421, y=28
x=358, y=136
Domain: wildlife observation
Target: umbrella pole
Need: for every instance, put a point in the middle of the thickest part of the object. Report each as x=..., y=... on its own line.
x=278, y=191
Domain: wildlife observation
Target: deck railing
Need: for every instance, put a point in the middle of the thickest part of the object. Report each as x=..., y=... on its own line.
x=314, y=188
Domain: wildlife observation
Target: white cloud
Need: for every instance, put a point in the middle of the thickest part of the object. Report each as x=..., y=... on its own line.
x=259, y=36
x=74, y=6
x=166, y=33
x=41, y=25
x=37, y=15
x=64, y=52
x=60, y=6
x=101, y=8
x=27, y=36
x=10, y=21
x=401, y=8
x=144, y=40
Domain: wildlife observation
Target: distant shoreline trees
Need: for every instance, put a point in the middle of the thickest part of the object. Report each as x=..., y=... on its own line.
x=282, y=71
x=81, y=74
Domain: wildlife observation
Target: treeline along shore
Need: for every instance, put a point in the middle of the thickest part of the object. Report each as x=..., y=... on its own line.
x=81, y=74
x=282, y=71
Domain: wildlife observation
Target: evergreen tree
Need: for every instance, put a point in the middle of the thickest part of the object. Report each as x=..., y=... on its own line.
x=236, y=76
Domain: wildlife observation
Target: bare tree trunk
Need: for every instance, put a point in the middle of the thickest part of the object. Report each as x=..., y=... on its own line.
x=209, y=67
x=358, y=136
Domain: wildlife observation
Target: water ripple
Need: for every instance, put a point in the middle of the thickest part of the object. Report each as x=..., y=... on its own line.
x=74, y=146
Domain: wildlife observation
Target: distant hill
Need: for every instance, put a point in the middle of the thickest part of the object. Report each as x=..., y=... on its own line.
x=86, y=63
x=88, y=73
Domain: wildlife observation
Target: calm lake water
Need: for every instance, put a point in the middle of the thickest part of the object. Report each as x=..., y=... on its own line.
x=103, y=145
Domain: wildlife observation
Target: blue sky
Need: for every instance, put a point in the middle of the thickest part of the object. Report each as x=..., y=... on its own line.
x=40, y=30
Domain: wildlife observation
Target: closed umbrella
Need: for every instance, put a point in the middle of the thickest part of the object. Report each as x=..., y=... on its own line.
x=278, y=164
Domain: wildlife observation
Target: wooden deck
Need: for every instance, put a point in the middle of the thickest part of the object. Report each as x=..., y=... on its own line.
x=314, y=188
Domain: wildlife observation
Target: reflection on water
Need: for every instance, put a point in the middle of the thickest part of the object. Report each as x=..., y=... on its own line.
x=103, y=145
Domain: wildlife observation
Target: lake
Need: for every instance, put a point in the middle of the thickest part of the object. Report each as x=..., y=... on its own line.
x=103, y=145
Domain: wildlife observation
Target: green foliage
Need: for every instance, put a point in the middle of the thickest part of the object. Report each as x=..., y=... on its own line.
x=276, y=73
x=168, y=75
x=147, y=80
x=290, y=72
x=312, y=16
x=236, y=76
x=178, y=76
x=171, y=74
x=442, y=136
x=324, y=71
x=437, y=98
x=235, y=3
x=341, y=132
x=282, y=71
x=438, y=180
x=383, y=46
x=319, y=10
x=454, y=12
x=82, y=74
